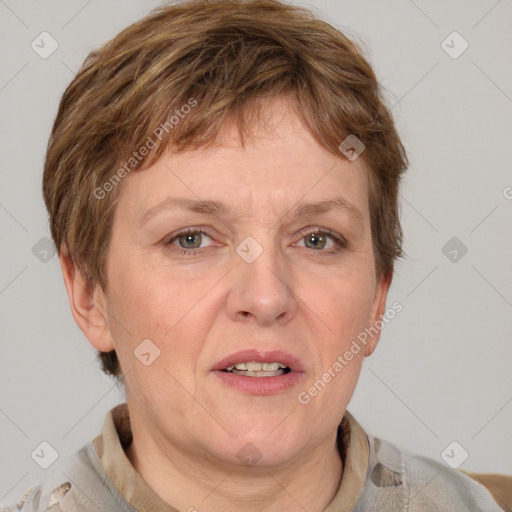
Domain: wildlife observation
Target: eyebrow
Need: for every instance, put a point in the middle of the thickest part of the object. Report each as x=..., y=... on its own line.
x=217, y=208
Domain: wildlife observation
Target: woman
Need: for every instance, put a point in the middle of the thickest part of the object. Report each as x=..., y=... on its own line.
x=222, y=182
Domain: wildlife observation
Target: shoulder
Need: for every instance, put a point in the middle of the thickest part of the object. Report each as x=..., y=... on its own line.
x=499, y=485
x=78, y=484
x=399, y=480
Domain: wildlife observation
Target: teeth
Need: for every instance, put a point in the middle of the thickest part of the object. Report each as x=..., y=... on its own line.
x=260, y=374
x=252, y=366
x=273, y=366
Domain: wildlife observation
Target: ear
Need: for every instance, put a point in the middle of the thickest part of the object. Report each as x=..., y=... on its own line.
x=87, y=304
x=378, y=309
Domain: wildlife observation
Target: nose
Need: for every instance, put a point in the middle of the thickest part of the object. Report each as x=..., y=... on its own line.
x=261, y=291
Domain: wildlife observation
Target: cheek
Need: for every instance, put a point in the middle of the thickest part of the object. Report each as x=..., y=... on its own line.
x=152, y=303
x=343, y=302
x=342, y=307
x=147, y=298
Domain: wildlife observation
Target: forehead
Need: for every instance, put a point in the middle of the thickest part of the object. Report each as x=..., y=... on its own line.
x=280, y=168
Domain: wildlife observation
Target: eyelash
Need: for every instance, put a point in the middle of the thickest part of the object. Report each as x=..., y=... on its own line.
x=340, y=241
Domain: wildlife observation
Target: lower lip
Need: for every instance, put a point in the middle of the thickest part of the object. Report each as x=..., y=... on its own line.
x=260, y=385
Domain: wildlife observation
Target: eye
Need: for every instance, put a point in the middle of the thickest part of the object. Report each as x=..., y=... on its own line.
x=187, y=241
x=319, y=240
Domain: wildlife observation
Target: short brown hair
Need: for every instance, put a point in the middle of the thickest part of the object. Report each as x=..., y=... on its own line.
x=217, y=57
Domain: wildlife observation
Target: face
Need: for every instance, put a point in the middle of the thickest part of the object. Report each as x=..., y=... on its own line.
x=260, y=278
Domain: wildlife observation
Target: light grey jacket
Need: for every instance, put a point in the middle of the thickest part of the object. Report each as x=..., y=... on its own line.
x=396, y=481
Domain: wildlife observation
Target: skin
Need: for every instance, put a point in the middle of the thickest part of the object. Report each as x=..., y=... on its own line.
x=297, y=296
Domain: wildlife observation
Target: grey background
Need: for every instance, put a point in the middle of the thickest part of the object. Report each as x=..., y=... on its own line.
x=442, y=371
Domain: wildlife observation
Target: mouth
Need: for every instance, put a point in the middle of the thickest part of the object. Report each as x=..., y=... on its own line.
x=255, y=369
x=255, y=372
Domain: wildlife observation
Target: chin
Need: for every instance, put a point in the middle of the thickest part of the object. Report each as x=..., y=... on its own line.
x=271, y=446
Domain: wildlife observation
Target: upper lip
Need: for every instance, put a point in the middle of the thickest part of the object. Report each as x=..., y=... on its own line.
x=274, y=356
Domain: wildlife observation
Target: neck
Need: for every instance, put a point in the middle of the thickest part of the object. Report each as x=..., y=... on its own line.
x=189, y=483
